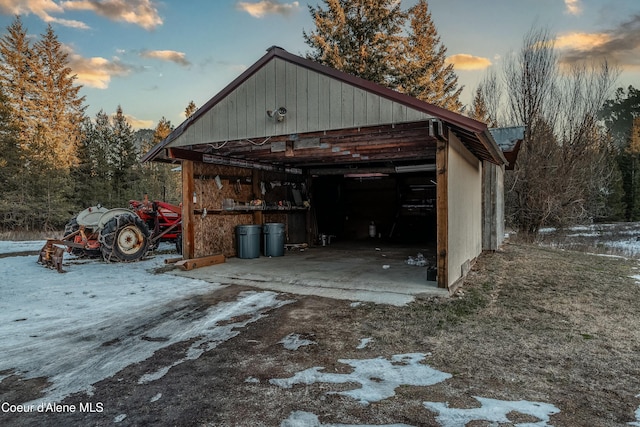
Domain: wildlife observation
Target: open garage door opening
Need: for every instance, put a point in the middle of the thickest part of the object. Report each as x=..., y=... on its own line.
x=389, y=208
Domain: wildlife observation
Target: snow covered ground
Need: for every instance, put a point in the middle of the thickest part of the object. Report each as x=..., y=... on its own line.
x=87, y=324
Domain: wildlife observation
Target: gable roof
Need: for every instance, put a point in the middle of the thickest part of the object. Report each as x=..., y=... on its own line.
x=475, y=135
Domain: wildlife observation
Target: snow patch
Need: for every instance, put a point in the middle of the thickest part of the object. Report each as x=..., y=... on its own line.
x=307, y=419
x=295, y=341
x=492, y=410
x=156, y=398
x=378, y=377
x=10, y=247
x=364, y=342
x=250, y=306
x=111, y=315
x=119, y=418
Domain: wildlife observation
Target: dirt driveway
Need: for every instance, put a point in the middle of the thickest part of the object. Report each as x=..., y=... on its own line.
x=557, y=332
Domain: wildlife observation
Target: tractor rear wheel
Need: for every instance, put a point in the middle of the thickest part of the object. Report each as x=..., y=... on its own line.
x=124, y=238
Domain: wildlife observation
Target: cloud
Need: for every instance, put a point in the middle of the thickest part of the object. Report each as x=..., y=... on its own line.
x=137, y=123
x=41, y=8
x=467, y=62
x=266, y=7
x=619, y=45
x=96, y=72
x=138, y=12
x=167, y=55
x=573, y=7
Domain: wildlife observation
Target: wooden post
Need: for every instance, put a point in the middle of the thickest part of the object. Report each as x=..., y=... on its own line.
x=442, y=212
x=188, y=188
x=256, y=177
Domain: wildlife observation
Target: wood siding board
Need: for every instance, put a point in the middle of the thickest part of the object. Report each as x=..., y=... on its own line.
x=291, y=101
x=243, y=110
x=348, y=96
x=386, y=111
x=313, y=103
x=359, y=107
x=399, y=113
x=251, y=108
x=232, y=115
x=270, y=96
x=302, y=94
x=335, y=104
x=324, y=102
x=373, y=109
x=261, y=104
x=280, y=94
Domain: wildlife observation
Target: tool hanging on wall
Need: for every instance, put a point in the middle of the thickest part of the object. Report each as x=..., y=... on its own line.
x=237, y=187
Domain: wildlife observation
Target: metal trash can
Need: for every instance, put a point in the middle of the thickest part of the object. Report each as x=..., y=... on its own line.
x=273, y=239
x=248, y=241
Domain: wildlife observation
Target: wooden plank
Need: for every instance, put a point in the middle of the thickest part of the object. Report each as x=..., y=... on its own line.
x=442, y=213
x=190, y=264
x=188, y=188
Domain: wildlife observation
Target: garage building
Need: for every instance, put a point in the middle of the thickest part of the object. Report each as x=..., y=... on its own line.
x=333, y=156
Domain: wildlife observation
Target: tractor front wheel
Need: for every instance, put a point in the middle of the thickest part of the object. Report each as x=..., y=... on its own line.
x=124, y=238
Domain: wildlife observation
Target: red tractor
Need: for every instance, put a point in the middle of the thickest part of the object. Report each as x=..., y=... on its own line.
x=118, y=235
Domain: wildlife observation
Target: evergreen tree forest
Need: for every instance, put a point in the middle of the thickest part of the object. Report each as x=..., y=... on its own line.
x=54, y=160
x=382, y=43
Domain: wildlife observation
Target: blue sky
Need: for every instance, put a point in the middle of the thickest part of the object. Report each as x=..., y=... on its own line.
x=152, y=57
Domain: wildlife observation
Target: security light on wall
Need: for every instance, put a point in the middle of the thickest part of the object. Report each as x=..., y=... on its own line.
x=278, y=114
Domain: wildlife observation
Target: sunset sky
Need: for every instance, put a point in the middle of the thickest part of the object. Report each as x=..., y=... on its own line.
x=152, y=57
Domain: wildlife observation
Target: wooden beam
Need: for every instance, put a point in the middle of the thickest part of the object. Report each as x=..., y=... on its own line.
x=256, y=177
x=188, y=230
x=442, y=213
x=190, y=264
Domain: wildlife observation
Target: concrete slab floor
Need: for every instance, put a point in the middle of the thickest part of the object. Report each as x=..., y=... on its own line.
x=369, y=271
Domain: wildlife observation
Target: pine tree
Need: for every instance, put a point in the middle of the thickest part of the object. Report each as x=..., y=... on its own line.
x=10, y=167
x=360, y=37
x=92, y=174
x=48, y=111
x=479, y=110
x=191, y=108
x=17, y=78
x=123, y=157
x=161, y=181
x=60, y=107
x=425, y=74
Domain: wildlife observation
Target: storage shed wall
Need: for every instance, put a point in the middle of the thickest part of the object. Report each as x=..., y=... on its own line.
x=464, y=210
x=314, y=102
x=493, y=206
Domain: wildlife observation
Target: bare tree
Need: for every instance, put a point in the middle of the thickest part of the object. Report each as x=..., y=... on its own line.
x=564, y=168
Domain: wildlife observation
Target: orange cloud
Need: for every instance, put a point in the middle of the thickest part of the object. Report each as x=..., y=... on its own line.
x=96, y=72
x=582, y=41
x=463, y=61
x=138, y=12
x=167, y=55
x=619, y=45
x=41, y=8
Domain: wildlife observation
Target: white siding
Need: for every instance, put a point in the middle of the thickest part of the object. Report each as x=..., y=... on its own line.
x=465, y=208
x=314, y=102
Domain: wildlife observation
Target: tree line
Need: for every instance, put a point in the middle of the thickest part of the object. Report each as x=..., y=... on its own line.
x=579, y=161
x=54, y=159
